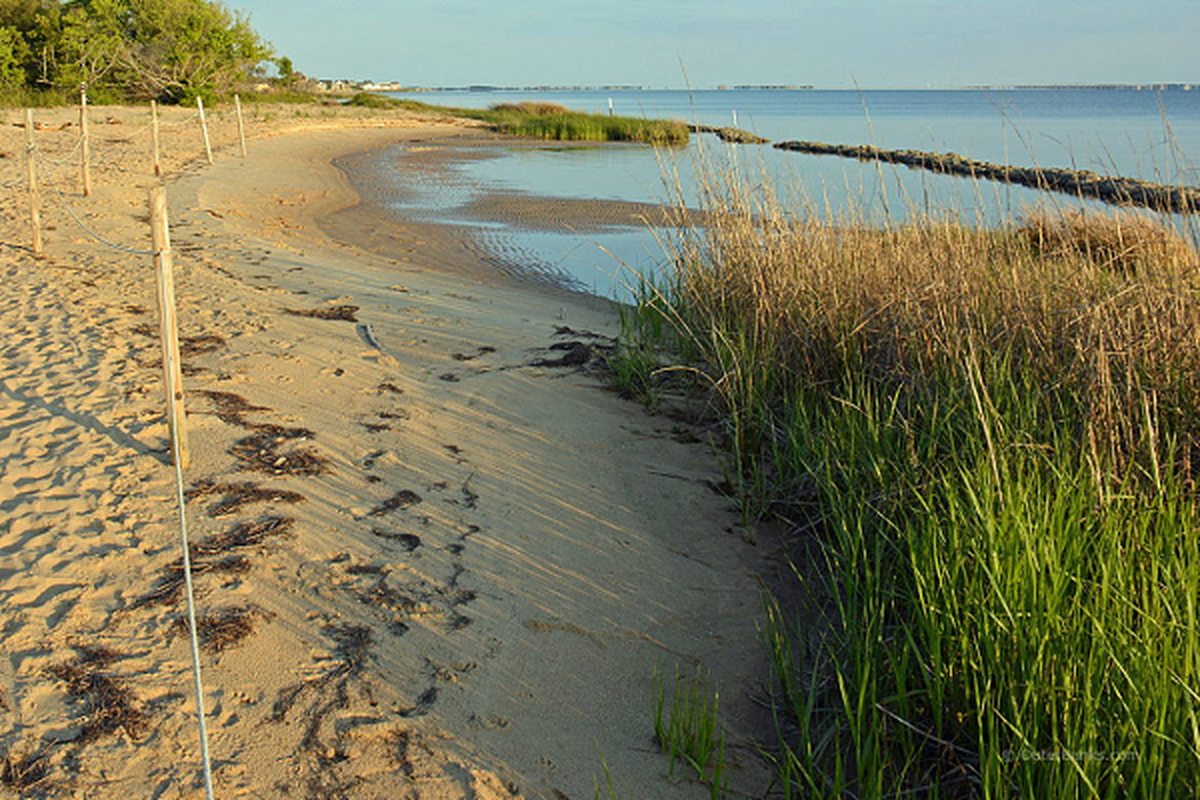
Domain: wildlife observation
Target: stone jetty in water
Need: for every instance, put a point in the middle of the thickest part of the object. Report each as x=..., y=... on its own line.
x=733, y=135
x=1109, y=189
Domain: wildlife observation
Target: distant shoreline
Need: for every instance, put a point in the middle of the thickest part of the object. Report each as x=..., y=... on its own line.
x=484, y=88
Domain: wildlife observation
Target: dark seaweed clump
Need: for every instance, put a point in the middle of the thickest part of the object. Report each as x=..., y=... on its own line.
x=344, y=313
x=234, y=496
x=223, y=629
x=108, y=705
x=217, y=554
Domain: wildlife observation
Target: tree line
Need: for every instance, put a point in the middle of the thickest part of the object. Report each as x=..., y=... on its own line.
x=172, y=51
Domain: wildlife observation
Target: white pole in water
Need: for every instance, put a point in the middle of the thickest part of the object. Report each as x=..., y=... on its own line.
x=735, y=119
x=610, y=107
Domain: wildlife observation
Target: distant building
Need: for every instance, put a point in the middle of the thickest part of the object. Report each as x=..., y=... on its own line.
x=343, y=86
x=390, y=86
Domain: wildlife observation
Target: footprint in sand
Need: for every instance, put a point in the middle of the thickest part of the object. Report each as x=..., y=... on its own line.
x=490, y=722
x=423, y=704
x=407, y=541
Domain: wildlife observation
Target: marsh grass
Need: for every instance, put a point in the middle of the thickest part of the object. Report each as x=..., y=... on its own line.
x=378, y=101
x=991, y=435
x=548, y=121
x=1124, y=242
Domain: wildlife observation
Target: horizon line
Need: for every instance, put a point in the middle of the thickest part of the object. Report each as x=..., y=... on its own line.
x=486, y=87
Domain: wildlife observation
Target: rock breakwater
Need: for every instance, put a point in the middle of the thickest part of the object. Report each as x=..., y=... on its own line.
x=733, y=135
x=1109, y=189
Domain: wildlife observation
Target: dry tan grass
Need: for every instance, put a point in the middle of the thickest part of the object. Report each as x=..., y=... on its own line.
x=1121, y=240
x=536, y=109
x=1103, y=309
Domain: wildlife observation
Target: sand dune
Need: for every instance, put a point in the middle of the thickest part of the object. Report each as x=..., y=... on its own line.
x=430, y=562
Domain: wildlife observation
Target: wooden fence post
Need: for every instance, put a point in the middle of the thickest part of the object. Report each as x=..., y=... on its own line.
x=237, y=104
x=35, y=201
x=204, y=127
x=172, y=372
x=154, y=137
x=86, y=145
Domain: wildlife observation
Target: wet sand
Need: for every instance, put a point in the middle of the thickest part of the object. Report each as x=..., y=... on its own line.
x=407, y=185
x=432, y=559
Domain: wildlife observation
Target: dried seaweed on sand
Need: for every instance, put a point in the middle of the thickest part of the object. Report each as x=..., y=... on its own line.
x=344, y=313
x=25, y=771
x=108, y=706
x=217, y=554
x=234, y=496
x=260, y=452
x=401, y=499
x=231, y=407
x=220, y=630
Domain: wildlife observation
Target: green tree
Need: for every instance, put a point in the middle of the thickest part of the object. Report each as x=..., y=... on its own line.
x=189, y=48
x=286, y=70
x=171, y=50
x=14, y=54
x=22, y=14
x=25, y=46
x=90, y=43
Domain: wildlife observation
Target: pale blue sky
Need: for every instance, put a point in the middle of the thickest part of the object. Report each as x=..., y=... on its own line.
x=837, y=43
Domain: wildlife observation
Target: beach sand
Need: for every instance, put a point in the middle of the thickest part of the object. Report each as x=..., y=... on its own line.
x=430, y=560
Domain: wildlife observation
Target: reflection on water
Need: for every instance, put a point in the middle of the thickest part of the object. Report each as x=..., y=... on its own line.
x=605, y=264
x=598, y=257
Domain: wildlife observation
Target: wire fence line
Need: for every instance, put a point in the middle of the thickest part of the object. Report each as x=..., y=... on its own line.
x=45, y=163
x=42, y=166
x=63, y=160
x=127, y=135
x=142, y=128
x=99, y=237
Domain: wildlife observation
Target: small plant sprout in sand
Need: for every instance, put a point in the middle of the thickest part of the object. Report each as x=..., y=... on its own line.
x=687, y=727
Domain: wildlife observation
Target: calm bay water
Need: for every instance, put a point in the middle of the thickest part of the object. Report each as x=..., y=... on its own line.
x=1147, y=134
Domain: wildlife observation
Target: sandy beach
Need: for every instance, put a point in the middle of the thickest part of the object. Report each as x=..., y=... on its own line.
x=434, y=556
